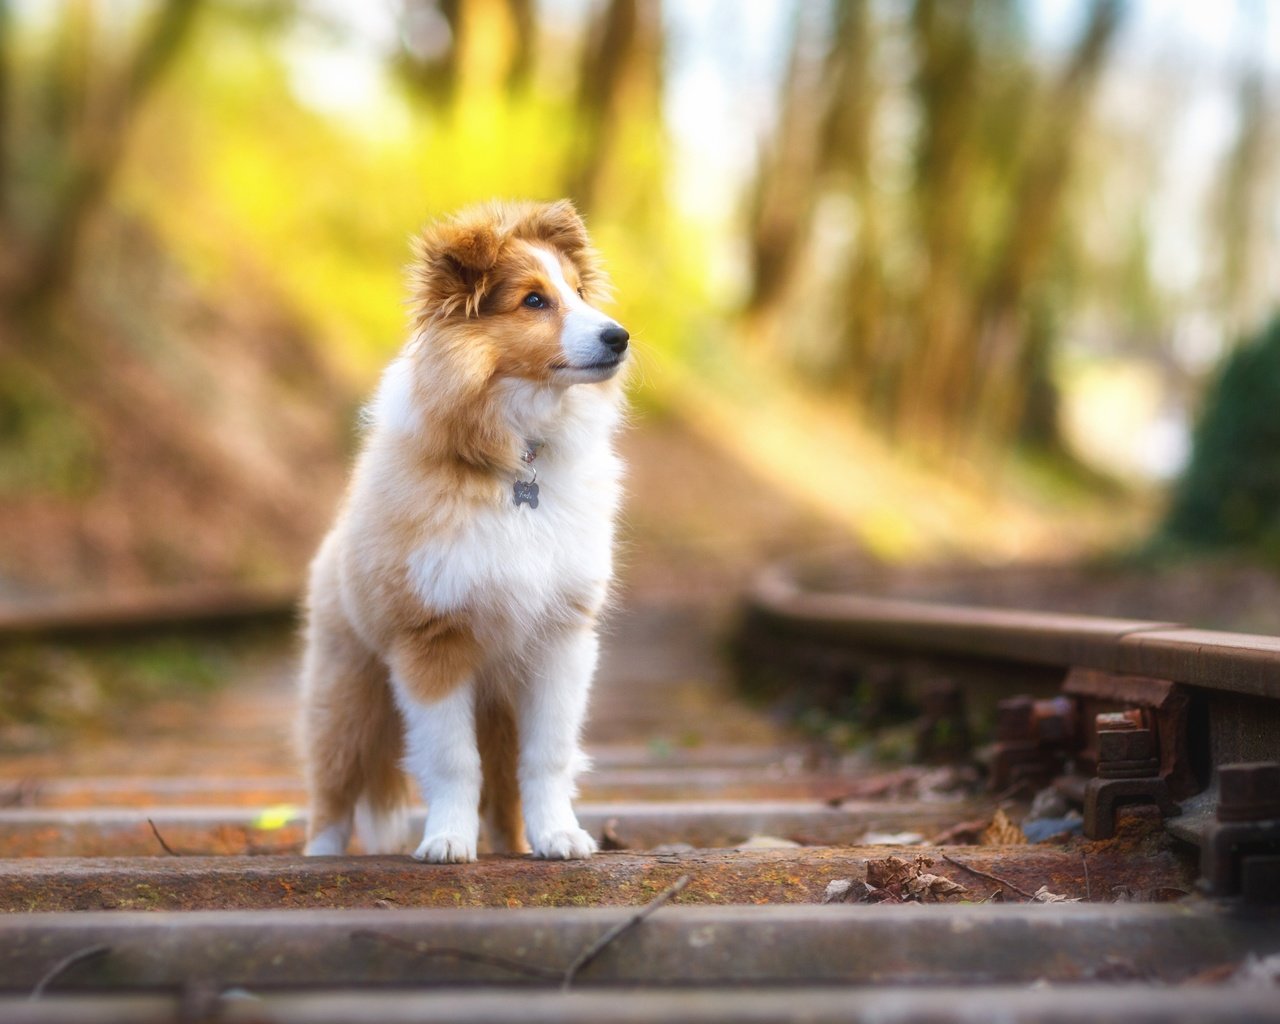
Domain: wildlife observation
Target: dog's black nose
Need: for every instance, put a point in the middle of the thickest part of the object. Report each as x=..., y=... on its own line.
x=614, y=338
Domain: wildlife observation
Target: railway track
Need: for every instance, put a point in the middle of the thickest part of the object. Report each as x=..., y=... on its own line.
x=755, y=879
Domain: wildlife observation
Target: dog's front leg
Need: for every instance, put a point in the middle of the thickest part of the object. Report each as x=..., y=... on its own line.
x=551, y=707
x=441, y=753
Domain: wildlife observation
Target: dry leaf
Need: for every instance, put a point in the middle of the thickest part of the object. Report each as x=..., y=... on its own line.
x=1043, y=895
x=898, y=879
x=888, y=872
x=1002, y=832
x=879, y=896
x=932, y=887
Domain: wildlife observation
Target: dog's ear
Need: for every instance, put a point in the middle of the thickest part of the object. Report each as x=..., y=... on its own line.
x=452, y=261
x=558, y=224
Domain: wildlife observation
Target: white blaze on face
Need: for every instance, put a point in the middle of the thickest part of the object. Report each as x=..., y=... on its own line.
x=580, y=337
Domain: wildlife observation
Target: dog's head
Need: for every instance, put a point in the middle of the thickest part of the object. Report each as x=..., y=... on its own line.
x=517, y=284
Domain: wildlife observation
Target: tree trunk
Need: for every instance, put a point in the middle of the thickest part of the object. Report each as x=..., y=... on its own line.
x=946, y=86
x=787, y=181
x=93, y=151
x=619, y=86
x=1030, y=226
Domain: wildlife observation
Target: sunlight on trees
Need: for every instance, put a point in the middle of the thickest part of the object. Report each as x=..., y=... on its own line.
x=952, y=224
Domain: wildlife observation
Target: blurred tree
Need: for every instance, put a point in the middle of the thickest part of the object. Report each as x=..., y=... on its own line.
x=1012, y=355
x=822, y=145
x=938, y=313
x=937, y=360
x=1241, y=210
x=88, y=108
x=786, y=184
x=848, y=138
x=438, y=38
x=151, y=425
x=524, y=21
x=619, y=105
x=430, y=42
x=455, y=49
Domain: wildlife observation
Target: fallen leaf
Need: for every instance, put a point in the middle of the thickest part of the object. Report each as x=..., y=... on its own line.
x=1002, y=832
x=888, y=872
x=1043, y=895
x=898, y=879
x=879, y=895
x=926, y=887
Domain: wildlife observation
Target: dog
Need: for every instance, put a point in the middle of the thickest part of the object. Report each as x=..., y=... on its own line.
x=451, y=613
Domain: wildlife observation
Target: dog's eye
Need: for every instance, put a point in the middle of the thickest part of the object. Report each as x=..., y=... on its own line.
x=534, y=301
x=582, y=292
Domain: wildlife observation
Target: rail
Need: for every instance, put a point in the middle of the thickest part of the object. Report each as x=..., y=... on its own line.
x=196, y=606
x=1118, y=711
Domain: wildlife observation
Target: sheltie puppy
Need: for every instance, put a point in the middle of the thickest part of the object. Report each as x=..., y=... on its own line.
x=451, y=612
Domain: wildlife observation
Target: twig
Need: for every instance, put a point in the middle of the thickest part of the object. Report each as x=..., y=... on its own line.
x=983, y=874
x=599, y=946
x=488, y=959
x=565, y=977
x=1088, y=889
x=160, y=839
x=64, y=965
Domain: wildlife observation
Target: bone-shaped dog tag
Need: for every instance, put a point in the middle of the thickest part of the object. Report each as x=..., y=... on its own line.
x=526, y=493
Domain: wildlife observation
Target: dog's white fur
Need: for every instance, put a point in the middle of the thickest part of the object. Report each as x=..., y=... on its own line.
x=436, y=587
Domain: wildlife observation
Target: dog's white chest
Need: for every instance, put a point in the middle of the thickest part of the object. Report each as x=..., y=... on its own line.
x=510, y=568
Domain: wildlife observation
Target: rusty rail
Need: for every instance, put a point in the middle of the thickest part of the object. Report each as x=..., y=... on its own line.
x=1130, y=711
x=196, y=606
x=1205, y=659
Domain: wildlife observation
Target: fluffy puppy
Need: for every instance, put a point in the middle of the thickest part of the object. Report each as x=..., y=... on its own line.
x=451, y=614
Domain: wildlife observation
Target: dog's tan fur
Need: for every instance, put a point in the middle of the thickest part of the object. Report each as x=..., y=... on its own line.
x=363, y=616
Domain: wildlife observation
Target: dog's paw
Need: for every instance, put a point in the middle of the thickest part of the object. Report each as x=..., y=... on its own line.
x=332, y=842
x=571, y=844
x=446, y=848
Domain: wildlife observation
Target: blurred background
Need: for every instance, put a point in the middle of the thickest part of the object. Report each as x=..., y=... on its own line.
x=937, y=281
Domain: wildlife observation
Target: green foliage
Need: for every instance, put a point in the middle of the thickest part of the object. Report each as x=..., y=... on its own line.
x=44, y=449
x=239, y=175
x=1230, y=491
